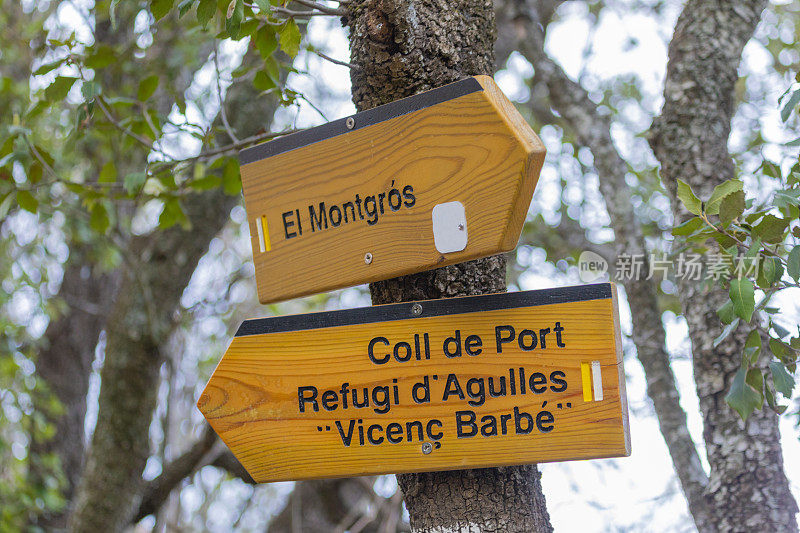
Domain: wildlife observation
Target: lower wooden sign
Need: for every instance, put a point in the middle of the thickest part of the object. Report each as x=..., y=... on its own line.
x=469, y=382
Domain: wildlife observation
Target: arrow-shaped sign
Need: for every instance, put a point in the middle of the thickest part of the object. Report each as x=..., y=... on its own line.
x=467, y=382
x=434, y=179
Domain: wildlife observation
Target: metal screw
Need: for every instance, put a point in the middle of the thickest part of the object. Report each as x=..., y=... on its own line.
x=350, y=123
x=427, y=448
x=461, y=227
x=416, y=310
x=367, y=258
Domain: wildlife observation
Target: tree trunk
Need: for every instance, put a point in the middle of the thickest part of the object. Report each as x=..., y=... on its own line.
x=748, y=489
x=138, y=327
x=400, y=48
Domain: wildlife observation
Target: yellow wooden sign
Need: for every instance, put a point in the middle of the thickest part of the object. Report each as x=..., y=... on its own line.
x=438, y=178
x=458, y=383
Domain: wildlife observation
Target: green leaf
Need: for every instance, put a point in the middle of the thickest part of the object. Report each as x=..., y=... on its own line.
x=731, y=207
x=101, y=57
x=231, y=182
x=233, y=21
x=108, y=174
x=752, y=347
x=771, y=229
x=147, y=87
x=184, y=6
x=262, y=81
x=730, y=328
x=290, y=38
x=90, y=89
x=791, y=103
x=721, y=191
x=783, y=380
x=726, y=313
x=99, y=220
x=264, y=6
x=134, y=182
x=173, y=214
x=742, y=293
x=160, y=8
x=742, y=397
x=688, y=227
x=47, y=67
x=793, y=263
x=27, y=201
x=266, y=41
x=755, y=379
x=205, y=11
x=770, y=271
x=58, y=90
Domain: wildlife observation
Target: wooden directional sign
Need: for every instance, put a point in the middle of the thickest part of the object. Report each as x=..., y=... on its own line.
x=434, y=385
x=433, y=179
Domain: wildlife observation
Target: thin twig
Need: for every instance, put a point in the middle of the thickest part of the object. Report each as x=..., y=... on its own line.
x=222, y=113
x=325, y=9
x=303, y=14
x=336, y=61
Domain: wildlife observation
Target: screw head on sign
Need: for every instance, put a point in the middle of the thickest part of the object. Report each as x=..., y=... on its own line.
x=350, y=123
x=416, y=309
x=427, y=448
x=367, y=258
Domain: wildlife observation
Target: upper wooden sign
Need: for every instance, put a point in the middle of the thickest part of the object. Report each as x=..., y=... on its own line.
x=459, y=383
x=438, y=178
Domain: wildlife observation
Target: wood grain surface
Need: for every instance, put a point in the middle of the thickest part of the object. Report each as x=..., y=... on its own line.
x=253, y=398
x=475, y=149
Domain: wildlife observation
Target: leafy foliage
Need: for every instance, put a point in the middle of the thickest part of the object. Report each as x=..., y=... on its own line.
x=762, y=244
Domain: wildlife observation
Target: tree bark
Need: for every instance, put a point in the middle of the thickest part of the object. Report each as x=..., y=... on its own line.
x=400, y=48
x=748, y=489
x=110, y=490
x=593, y=130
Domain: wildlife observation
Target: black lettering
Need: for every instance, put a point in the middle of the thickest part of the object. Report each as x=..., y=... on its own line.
x=382, y=405
x=356, y=403
x=405, y=346
x=395, y=194
x=489, y=427
x=371, y=208
x=559, y=383
x=542, y=333
x=302, y=399
x=471, y=343
x=500, y=340
x=358, y=204
x=521, y=340
x=519, y=416
x=318, y=220
x=466, y=419
x=349, y=437
x=450, y=340
x=504, y=419
x=335, y=215
x=408, y=194
x=381, y=196
x=288, y=224
x=299, y=222
x=497, y=393
x=330, y=400
x=544, y=421
x=477, y=393
x=394, y=433
x=521, y=380
x=371, y=353
x=409, y=426
x=425, y=387
x=370, y=438
x=431, y=435
x=558, y=329
x=452, y=380
x=538, y=382
x=352, y=211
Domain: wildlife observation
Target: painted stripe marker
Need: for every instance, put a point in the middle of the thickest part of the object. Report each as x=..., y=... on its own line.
x=592, y=382
x=263, y=234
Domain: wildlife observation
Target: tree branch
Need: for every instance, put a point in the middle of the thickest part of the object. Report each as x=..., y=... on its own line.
x=593, y=130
